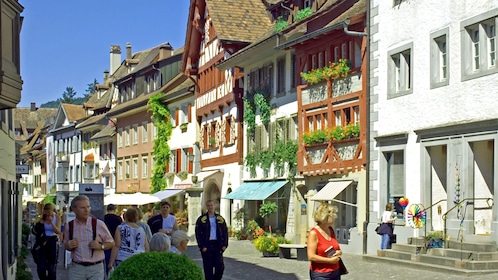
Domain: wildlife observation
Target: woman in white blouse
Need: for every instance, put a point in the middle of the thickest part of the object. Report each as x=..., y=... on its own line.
x=129, y=239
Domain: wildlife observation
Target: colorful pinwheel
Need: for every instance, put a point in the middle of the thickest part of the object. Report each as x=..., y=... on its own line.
x=415, y=215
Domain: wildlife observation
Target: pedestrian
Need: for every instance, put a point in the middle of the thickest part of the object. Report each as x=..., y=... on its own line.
x=145, y=226
x=160, y=242
x=129, y=239
x=164, y=222
x=87, y=251
x=148, y=214
x=46, y=231
x=324, y=252
x=112, y=222
x=179, y=242
x=386, y=228
x=211, y=233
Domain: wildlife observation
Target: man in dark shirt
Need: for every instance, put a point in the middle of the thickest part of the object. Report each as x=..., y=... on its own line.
x=212, y=238
x=112, y=221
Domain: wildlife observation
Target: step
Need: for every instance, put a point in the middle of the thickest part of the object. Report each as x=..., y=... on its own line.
x=409, y=248
x=472, y=246
x=459, y=264
x=429, y=266
x=462, y=254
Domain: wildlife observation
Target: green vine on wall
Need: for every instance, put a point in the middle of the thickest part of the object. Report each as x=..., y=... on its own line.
x=282, y=153
x=161, y=119
x=259, y=98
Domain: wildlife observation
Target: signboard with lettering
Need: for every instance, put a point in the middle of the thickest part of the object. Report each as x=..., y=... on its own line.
x=22, y=169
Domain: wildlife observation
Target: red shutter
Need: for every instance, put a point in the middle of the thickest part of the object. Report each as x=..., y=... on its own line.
x=177, y=117
x=178, y=160
x=189, y=113
x=190, y=170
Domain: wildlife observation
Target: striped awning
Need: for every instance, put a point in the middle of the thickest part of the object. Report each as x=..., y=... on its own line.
x=331, y=190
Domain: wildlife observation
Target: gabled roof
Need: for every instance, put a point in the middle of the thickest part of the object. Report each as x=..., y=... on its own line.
x=73, y=112
x=25, y=118
x=97, y=100
x=144, y=59
x=339, y=15
x=106, y=132
x=241, y=21
x=91, y=121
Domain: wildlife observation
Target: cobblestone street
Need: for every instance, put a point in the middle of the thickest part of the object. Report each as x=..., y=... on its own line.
x=243, y=261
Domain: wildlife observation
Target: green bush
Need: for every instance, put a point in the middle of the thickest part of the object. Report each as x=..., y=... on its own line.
x=158, y=266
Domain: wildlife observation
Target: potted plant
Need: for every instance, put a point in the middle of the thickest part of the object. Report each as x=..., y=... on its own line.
x=266, y=209
x=183, y=127
x=268, y=244
x=182, y=175
x=434, y=239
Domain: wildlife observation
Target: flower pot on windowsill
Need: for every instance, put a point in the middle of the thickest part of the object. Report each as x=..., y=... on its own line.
x=183, y=127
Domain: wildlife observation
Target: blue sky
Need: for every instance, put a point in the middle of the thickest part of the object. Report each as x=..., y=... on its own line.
x=67, y=43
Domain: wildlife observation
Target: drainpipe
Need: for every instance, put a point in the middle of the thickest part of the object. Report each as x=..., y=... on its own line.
x=367, y=134
x=345, y=24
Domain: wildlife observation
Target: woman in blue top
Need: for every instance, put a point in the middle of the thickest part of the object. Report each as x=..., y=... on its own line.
x=46, y=231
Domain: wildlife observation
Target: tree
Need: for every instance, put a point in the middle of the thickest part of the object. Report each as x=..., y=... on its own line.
x=68, y=95
x=91, y=89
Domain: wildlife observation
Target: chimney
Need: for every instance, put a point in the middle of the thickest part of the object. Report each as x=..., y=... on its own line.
x=106, y=75
x=165, y=51
x=33, y=106
x=128, y=50
x=115, y=58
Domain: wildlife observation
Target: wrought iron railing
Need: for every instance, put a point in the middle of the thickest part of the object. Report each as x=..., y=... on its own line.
x=467, y=201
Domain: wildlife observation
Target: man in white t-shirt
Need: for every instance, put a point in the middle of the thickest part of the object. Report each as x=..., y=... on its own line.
x=164, y=222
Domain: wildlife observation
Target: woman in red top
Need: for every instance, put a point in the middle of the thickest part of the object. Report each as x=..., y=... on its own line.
x=324, y=252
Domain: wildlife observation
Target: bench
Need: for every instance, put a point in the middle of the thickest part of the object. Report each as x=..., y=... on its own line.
x=285, y=251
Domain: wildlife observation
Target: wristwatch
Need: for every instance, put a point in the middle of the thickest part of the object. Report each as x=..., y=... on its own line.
x=102, y=247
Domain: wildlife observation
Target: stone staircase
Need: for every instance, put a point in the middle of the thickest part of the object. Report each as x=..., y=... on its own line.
x=472, y=257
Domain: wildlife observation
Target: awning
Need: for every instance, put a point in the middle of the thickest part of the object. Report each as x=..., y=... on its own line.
x=89, y=158
x=331, y=190
x=37, y=199
x=255, y=190
x=130, y=199
x=166, y=193
x=201, y=176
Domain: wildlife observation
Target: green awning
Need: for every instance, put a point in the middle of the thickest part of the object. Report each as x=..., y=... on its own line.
x=255, y=190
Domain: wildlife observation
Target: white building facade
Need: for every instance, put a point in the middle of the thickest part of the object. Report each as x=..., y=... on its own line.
x=434, y=123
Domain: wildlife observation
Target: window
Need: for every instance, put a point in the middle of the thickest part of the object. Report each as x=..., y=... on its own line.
x=127, y=169
x=172, y=162
x=293, y=71
x=152, y=82
x=135, y=168
x=120, y=170
x=154, y=131
x=145, y=133
x=173, y=117
x=127, y=135
x=479, y=45
x=281, y=76
x=145, y=167
x=400, y=72
x=184, y=113
x=135, y=134
x=395, y=171
x=120, y=138
x=439, y=58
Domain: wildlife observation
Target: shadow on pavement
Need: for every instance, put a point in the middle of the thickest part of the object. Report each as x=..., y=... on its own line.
x=236, y=269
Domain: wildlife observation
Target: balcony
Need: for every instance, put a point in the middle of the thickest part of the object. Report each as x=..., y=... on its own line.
x=330, y=157
x=332, y=133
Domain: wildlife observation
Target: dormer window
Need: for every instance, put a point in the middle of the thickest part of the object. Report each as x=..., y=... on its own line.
x=152, y=82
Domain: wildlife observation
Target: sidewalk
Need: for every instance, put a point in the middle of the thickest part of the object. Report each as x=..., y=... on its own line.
x=243, y=261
